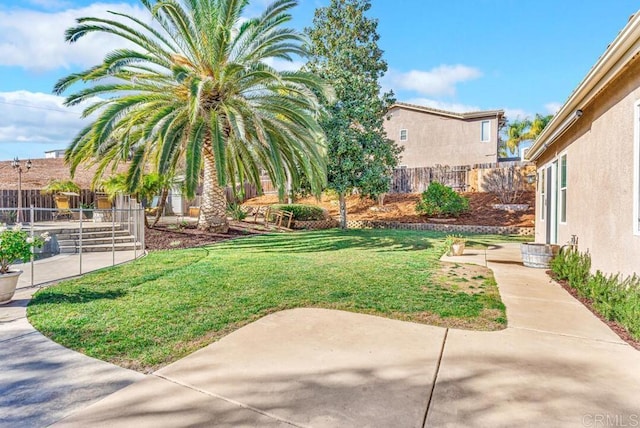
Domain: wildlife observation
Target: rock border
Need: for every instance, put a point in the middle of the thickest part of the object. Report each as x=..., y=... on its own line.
x=314, y=224
x=493, y=230
x=511, y=207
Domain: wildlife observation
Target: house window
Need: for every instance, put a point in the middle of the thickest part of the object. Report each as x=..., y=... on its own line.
x=543, y=200
x=563, y=189
x=403, y=135
x=636, y=171
x=485, y=132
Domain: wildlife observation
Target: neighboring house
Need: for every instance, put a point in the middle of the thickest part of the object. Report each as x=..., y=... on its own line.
x=588, y=160
x=54, y=154
x=437, y=137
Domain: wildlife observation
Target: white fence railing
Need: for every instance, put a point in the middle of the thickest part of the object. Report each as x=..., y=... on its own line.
x=82, y=239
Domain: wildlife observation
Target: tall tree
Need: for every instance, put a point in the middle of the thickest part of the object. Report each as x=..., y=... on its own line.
x=537, y=125
x=516, y=133
x=344, y=51
x=197, y=88
x=523, y=130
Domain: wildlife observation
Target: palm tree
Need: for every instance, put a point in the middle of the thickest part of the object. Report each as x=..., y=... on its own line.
x=519, y=131
x=197, y=91
x=537, y=125
x=516, y=134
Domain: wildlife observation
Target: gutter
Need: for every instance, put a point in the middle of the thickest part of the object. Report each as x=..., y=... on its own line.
x=618, y=54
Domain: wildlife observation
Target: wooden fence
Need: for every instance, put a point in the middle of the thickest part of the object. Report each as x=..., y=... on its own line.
x=468, y=178
x=416, y=180
x=32, y=197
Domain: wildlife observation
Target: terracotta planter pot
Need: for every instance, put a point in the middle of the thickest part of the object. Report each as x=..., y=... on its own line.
x=457, y=249
x=8, y=283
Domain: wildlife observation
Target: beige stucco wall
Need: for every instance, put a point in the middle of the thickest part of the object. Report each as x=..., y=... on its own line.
x=600, y=165
x=438, y=140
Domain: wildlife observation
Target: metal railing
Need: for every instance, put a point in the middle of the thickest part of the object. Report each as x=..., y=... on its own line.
x=82, y=240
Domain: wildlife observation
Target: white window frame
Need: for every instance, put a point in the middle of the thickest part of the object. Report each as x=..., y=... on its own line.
x=542, y=181
x=562, y=191
x=482, y=140
x=636, y=169
x=406, y=135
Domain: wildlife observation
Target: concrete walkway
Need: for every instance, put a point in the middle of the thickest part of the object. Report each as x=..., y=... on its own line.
x=555, y=365
x=40, y=381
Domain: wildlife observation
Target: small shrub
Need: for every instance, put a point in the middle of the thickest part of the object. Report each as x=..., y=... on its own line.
x=614, y=298
x=506, y=183
x=303, y=212
x=440, y=200
x=236, y=212
x=574, y=267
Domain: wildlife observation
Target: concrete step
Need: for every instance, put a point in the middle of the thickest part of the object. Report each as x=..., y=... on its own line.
x=89, y=227
x=95, y=241
x=123, y=246
x=89, y=234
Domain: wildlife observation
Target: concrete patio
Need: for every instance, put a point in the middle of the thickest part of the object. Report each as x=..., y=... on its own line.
x=555, y=365
x=42, y=381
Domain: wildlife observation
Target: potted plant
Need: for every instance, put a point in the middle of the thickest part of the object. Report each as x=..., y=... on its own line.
x=59, y=186
x=15, y=244
x=456, y=244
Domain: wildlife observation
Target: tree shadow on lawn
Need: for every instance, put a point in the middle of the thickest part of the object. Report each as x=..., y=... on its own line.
x=334, y=240
x=83, y=295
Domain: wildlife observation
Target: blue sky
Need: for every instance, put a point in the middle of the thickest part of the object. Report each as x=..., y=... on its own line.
x=523, y=56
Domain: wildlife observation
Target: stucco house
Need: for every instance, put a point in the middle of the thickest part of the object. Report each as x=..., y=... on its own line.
x=437, y=137
x=588, y=159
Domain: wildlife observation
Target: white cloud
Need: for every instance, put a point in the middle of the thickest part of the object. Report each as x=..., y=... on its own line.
x=34, y=117
x=552, y=107
x=517, y=114
x=438, y=81
x=441, y=105
x=35, y=40
x=284, y=65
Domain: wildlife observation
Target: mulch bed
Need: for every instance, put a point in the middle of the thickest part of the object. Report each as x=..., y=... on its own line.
x=171, y=237
x=401, y=207
x=613, y=325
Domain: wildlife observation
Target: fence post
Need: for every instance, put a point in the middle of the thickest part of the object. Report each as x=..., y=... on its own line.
x=135, y=233
x=80, y=241
x=32, y=247
x=142, y=214
x=113, y=235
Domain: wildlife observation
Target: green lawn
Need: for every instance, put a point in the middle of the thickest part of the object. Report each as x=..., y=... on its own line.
x=154, y=311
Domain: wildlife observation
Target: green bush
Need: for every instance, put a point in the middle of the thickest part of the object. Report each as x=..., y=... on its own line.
x=236, y=211
x=302, y=212
x=614, y=298
x=440, y=200
x=574, y=267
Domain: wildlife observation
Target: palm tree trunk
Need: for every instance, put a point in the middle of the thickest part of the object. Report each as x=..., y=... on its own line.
x=213, y=209
x=161, y=205
x=343, y=211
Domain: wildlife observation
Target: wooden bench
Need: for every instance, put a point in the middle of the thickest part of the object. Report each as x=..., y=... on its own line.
x=279, y=217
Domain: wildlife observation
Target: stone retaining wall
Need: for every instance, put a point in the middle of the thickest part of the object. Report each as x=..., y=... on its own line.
x=315, y=225
x=451, y=228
